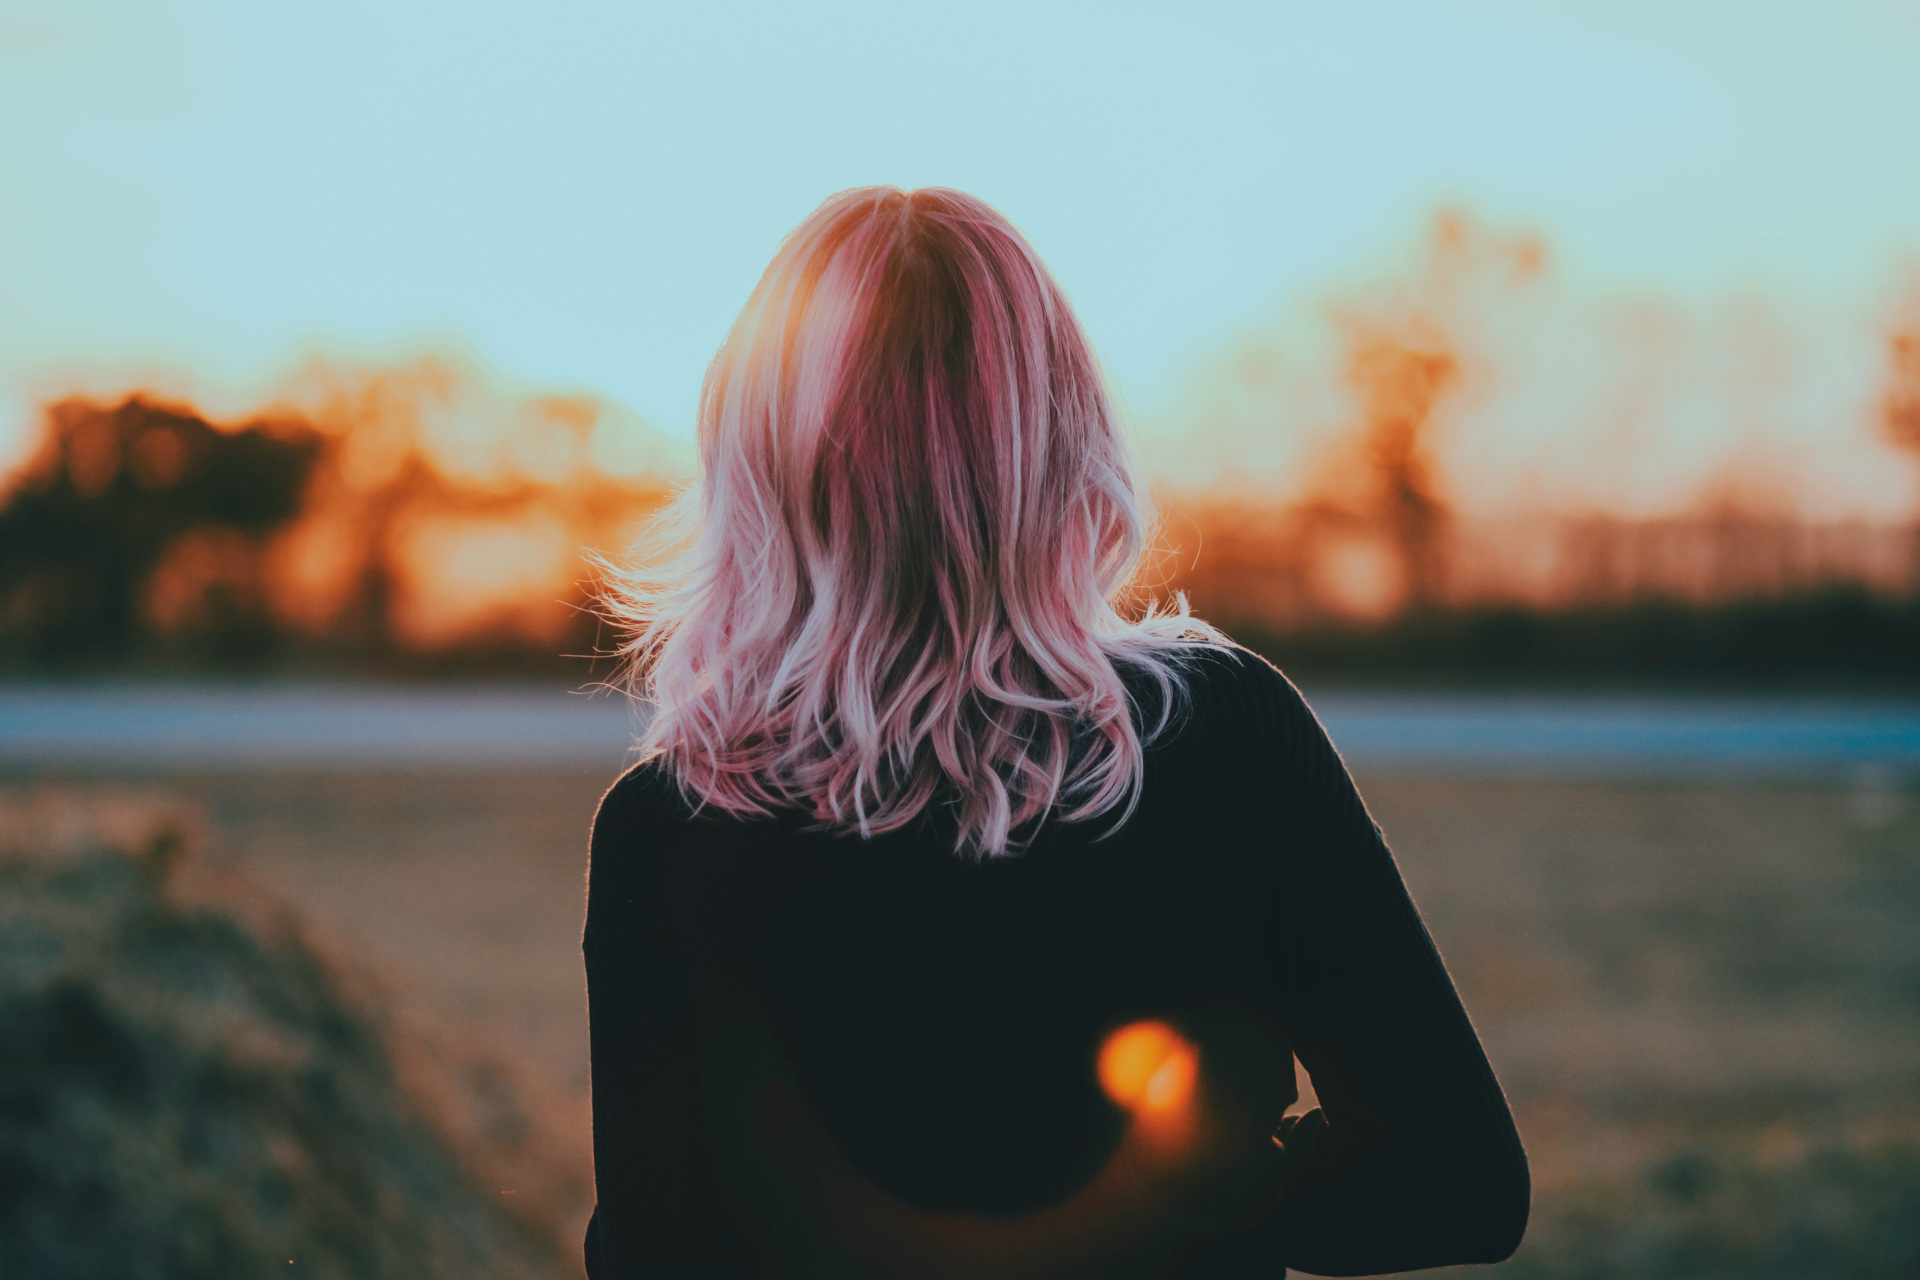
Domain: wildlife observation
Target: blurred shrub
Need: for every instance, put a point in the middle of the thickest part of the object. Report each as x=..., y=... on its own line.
x=191, y=1087
x=112, y=491
x=1840, y=635
x=142, y=533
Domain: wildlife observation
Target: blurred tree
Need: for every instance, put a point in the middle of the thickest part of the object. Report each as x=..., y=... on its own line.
x=1400, y=380
x=1901, y=410
x=1900, y=413
x=115, y=494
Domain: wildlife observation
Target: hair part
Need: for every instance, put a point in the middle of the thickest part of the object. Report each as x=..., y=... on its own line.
x=894, y=584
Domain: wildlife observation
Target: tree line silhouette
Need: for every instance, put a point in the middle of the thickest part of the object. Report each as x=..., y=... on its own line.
x=141, y=535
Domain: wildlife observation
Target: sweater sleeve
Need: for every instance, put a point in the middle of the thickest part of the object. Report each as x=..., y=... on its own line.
x=1414, y=1160
x=651, y=1176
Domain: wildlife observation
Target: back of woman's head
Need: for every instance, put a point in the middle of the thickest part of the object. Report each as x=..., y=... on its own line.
x=894, y=583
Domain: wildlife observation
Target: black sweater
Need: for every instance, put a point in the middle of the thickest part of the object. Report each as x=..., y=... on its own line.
x=818, y=1055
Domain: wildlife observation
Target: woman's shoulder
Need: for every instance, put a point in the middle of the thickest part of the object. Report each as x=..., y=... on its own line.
x=632, y=813
x=633, y=821
x=645, y=788
x=1230, y=705
x=1226, y=680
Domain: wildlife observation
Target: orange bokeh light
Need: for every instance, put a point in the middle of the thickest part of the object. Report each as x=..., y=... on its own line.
x=1148, y=1067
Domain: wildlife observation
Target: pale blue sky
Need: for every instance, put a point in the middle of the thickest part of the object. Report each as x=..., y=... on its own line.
x=581, y=195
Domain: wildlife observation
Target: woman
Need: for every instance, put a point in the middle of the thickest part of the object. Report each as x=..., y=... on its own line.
x=954, y=924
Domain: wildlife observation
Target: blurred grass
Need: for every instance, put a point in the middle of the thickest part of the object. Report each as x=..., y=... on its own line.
x=194, y=1083
x=1703, y=998
x=1704, y=1001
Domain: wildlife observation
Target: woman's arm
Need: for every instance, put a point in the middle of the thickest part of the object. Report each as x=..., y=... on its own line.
x=655, y=1196
x=1416, y=1161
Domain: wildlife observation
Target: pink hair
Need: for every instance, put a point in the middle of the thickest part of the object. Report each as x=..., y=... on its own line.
x=894, y=583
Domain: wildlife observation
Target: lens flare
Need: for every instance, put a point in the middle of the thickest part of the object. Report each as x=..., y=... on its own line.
x=1149, y=1068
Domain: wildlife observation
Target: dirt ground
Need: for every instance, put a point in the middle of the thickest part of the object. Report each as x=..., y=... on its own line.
x=1687, y=988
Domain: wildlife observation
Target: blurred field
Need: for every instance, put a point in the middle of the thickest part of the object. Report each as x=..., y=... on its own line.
x=1703, y=998
x=1705, y=1004
x=195, y=1081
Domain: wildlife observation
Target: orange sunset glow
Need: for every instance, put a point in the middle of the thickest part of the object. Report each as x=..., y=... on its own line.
x=438, y=513
x=420, y=508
